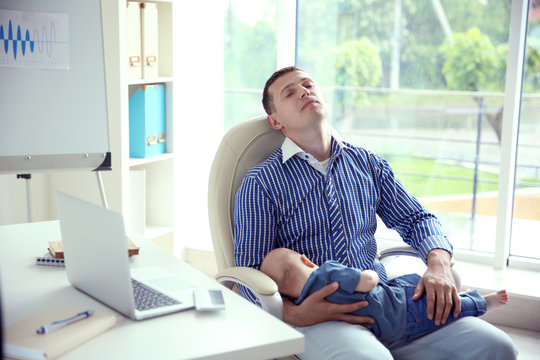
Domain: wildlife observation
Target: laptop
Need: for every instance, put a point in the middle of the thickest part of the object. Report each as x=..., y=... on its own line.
x=97, y=263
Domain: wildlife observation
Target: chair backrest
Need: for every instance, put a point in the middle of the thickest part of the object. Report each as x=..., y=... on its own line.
x=241, y=149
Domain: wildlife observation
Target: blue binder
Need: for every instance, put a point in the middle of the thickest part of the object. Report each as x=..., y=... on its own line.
x=147, y=136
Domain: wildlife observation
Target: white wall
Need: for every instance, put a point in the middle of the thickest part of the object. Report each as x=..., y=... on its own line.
x=13, y=198
x=198, y=96
x=13, y=209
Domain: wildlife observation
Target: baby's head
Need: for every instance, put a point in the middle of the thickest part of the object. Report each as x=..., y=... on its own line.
x=288, y=269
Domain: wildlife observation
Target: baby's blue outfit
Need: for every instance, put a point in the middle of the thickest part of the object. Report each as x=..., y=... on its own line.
x=397, y=316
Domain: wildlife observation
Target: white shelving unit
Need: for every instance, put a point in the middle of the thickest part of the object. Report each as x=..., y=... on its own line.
x=159, y=184
x=147, y=204
x=175, y=188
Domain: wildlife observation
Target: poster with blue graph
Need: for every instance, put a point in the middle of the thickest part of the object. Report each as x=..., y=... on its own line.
x=34, y=40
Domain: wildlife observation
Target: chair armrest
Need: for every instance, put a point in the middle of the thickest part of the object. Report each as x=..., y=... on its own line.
x=260, y=284
x=398, y=250
x=409, y=251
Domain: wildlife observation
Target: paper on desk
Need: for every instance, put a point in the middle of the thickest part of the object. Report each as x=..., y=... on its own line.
x=22, y=341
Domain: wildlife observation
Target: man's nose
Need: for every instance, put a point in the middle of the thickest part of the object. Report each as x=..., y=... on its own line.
x=304, y=91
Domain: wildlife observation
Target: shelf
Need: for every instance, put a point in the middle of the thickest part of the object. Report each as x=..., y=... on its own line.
x=149, y=203
x=159, y=80
x=142, y=161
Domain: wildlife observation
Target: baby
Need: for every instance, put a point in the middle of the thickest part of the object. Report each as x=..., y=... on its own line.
x=397, y=316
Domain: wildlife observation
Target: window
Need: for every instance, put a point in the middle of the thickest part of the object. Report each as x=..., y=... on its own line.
x=421, y=83
x=526, y=222
x=250, y=56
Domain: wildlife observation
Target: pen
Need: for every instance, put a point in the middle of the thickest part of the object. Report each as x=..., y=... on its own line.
x=60, y=323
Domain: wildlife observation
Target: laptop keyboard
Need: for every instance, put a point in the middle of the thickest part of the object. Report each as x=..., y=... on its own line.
x=147, y=298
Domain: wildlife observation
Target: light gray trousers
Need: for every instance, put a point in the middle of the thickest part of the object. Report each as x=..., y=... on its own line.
x=467, y=338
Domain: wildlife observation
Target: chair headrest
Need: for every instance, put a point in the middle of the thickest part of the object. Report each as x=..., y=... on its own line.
x=242, y=148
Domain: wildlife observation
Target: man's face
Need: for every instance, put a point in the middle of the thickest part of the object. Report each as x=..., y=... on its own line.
x=298, y=104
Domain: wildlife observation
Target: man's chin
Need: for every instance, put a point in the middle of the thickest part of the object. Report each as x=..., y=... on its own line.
x=319, y=112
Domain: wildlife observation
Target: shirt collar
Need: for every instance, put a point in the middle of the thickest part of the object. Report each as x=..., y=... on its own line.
x=289, y=148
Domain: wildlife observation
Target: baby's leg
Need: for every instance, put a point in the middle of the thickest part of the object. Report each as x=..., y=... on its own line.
x=496, y=300
x=472, y=304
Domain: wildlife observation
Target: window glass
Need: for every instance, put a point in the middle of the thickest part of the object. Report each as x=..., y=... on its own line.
x=420, y=82
x=526, y=221
x=250, y=57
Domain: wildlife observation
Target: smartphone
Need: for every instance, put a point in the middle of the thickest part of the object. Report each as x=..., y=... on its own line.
x=208, y=299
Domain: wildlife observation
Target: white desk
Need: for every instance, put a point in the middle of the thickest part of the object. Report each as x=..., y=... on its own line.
x=242, y=331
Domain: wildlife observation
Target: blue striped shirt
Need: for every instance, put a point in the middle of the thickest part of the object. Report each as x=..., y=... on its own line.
x=328, y=216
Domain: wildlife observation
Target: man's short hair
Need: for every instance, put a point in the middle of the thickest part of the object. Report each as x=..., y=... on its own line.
x=267, y=100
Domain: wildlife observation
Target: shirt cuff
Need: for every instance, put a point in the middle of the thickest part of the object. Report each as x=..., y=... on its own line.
x=434, y=242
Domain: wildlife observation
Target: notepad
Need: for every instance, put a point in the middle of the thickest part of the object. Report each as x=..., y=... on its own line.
x=22, y=342
x=48, y=260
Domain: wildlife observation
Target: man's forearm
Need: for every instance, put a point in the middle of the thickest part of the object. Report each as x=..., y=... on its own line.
x=294, y=315
x=288, y=313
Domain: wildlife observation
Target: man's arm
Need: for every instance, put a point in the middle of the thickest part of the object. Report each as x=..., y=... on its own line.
x=316, y=309
x=421, y=229
x=439, y=286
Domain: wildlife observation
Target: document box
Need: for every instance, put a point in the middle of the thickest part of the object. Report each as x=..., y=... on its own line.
x=147, y=121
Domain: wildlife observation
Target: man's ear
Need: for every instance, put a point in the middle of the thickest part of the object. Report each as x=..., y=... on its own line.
x=273, y=122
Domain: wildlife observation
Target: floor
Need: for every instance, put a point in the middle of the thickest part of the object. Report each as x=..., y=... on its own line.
x=527, y=341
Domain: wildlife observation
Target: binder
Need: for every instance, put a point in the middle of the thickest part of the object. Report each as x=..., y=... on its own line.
x=133, y=20
x=22, y=341
x=149, y=43
x=147, y=123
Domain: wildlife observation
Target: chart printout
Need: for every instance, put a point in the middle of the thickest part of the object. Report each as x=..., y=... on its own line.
x=34, y=40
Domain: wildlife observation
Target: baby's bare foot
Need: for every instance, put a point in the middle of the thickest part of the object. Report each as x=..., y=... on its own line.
x=496, y=300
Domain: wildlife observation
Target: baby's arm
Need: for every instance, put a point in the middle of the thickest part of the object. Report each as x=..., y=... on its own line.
x=368, y=280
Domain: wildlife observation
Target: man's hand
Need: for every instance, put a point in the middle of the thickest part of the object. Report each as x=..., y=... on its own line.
x=439, y=286
x=316, y=309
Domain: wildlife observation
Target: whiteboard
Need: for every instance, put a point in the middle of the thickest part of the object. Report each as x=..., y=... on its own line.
x=53, y=113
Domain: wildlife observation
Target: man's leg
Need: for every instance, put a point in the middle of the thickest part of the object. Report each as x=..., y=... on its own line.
x=338, y=340
x=467, y=338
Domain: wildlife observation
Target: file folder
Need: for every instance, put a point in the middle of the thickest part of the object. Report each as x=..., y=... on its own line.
x=149, y=29
x=133, y=20
x=147, y=121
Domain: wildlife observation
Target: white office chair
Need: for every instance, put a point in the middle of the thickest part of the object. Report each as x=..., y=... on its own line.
x=242, y=148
